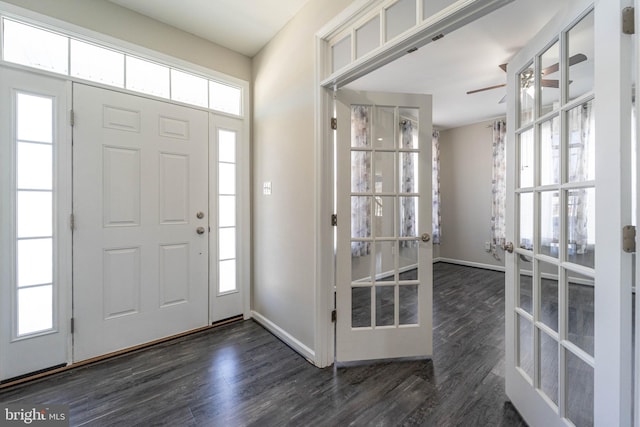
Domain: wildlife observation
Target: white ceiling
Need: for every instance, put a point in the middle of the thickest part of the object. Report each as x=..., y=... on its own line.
x=241, y=25
x=461, y=61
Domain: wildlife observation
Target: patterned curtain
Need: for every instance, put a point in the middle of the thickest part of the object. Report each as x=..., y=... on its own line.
x=435, y=186
x=581, y=120
x=360, y=181
x=498, y=187
x=408, y=226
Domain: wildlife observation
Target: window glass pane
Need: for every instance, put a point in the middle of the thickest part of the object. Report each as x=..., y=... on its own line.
x=409, y=128
x=408, y=310
x=526, y=158
x=408, y=219
x=35, y=309
x=225, y=98
x=147, y=77
x=400, y=17
x=188, y=88
x=581, y=230
x=227, y=243
x=34, y=118
x=227, y=211
x=525, y=346
x=341, y=53
x=385, y=129
x=384, y=171
x=409, y=173
x=227, y=276
x=226, y=146
x=385, y=257
x=549, y=366
x=548, y=282
x=361, y=307
x=360, y=126
x=361, y=172
x=35, y=167
x=581, y=311
x=35, y=214
x=525, y=269
x=581, y=57
x=97, y=64
x=368, y=37
x=361, y=218
x=385, y=305
x=35, y=47
x=549, y=223
x=526, y=220
x=35, y=262
x=579, y=391
x=227, y=178
x=431, y=7
x=527, y=95
x=550, y=152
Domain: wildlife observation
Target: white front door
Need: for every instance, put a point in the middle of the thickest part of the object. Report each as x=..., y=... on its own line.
x=568, y=287
x=141, y=220
x=384, y=253
x=35, y=238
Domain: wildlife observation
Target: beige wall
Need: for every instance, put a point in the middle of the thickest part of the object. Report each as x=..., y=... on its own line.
x=115, y=21
x=284, y=223
x=465, y=188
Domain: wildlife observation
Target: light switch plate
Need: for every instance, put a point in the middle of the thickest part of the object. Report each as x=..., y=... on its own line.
x=266, y=188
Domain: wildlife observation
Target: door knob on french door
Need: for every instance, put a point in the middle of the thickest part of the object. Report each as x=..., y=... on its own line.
x=425, y=237
x=200, y=230
x=508, y=247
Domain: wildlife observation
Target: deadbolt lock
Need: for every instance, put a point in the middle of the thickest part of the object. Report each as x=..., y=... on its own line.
x=200, y=215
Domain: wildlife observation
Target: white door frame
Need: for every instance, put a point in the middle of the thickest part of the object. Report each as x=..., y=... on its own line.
x=326, y=82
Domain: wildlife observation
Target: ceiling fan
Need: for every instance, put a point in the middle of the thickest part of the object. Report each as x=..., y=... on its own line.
x=528, y=75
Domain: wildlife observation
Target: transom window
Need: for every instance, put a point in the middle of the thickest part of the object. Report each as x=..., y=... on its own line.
x=36, y=47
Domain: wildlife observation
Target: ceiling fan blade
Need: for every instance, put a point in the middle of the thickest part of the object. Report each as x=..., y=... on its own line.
x=503, y=100
x=575, y=59
x=550, y=83
x=503, y=67
x=486, y=88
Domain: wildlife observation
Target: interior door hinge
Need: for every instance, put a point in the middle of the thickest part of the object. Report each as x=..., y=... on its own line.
x=629, y=239
x=72, y=222
x=334, y=316
x=628, y=20
x=72, y=118
x=334, y=123
x=334, y=220
x=73, y=324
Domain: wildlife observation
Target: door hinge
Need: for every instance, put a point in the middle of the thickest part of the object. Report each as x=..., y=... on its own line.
x=72, y=222
x=628, y=20
x=334, y=123
x=334, y=316
x=72, y=118
x=73, y=324
x=629, y=239
x=334, y=220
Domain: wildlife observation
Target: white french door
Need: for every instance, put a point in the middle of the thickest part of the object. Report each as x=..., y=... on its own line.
x=35, y=239
x=227, y=205
x=141, y=220
x=384, y=253
x=568, y=310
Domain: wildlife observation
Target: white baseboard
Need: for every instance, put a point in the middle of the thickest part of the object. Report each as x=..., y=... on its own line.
x=470, y=264
x=285, y=337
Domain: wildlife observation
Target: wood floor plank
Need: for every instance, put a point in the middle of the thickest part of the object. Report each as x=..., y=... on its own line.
x=241, y=375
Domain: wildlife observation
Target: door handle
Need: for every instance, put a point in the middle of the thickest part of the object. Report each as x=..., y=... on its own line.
x=425, y=237
x=508, y=247
x=200, y=230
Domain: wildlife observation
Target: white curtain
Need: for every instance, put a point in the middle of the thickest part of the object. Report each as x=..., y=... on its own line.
x=498, y=187
x=435, y=185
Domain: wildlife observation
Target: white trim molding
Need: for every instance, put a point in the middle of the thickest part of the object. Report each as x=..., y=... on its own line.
x=285, y=337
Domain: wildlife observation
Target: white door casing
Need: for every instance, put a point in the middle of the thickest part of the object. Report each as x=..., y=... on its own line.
x=140, y=245
x=31, y=352
x=381, y=313
x=571, y=365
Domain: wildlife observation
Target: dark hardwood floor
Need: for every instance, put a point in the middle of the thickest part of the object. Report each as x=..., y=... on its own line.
x=240, y=374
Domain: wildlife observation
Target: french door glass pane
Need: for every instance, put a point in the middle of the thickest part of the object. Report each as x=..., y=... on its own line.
x=526, y=220
x=526, y=157
x=579, y=390
x=550, y=75
x=409, y=129
x=384, y=172
x=408, y=220
x=580, y=40
x=548, y=282
x=385, y=261
x=35, y=311
x=550, y=152
x=34, y=118
x=549, y=366
x=35, y=166
x=34, y=217
x=361, y=307
x=361, y=172
x=35, y=47
x=385, y=127
x=409, y=173
x=582, y=160
x=361, y=259
x=408, y=300
x=385, y=305
x=384, y=218
x=581, y=226
x=549, y=223
x=525, y=268
x=581, y=320
x=97, y=64
x=525, y=346
x=35, y=262
x=527, y=94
